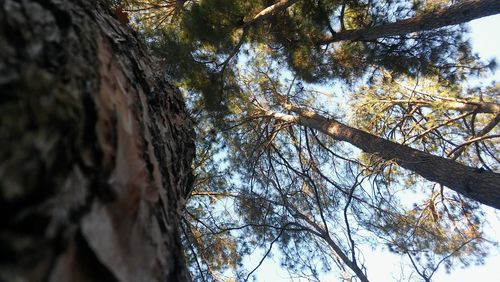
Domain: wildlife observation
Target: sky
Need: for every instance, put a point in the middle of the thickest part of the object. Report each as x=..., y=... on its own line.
x=385, y=267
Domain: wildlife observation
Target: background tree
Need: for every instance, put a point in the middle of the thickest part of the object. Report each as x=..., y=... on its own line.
x=278, y=172
x=463, y=118
x=272, y=159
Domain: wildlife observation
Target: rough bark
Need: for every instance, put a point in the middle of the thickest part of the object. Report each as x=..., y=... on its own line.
x=480, y=185
x=461, y=12
x=96, y=149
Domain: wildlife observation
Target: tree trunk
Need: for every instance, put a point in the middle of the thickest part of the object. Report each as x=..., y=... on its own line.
x=461, y=12
x=482, y=186
x=96, y=149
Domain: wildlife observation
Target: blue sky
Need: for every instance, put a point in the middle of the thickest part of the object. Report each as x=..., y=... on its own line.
x=385, y=267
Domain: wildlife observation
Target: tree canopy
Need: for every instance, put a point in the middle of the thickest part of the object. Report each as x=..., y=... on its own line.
x=324, y=125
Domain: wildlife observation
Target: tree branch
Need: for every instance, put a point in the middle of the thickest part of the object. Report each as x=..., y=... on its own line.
x=461, y=12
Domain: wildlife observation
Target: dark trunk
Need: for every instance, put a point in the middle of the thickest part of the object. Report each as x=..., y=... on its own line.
x=96, y=149
x=462, y=12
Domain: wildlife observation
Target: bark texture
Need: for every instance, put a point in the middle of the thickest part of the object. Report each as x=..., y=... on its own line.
x=96, y=149
x=480, y=185
x=461, y=12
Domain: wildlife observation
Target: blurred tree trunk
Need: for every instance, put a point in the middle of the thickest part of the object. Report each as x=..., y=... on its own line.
x=95, y=149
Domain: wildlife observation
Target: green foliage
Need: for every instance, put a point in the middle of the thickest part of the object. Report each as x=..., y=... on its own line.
x=425, y=227
x=415, y=111
x=213, y=22
x=205, y=38
x=265, y=184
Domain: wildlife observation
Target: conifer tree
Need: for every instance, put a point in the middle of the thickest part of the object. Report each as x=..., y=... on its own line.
x=283, y=176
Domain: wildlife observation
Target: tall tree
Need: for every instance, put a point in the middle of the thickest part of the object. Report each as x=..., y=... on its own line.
x=294, y=193
x=96, y=149
x=269, y=158
x=211, y=34
x=272, y=157
x=472, y=182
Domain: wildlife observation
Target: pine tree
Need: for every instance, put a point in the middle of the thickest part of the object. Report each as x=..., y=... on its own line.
x=248, y=69
x=101, y=134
